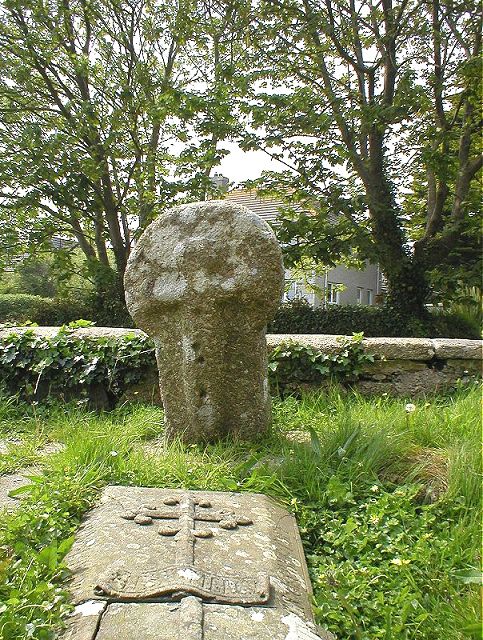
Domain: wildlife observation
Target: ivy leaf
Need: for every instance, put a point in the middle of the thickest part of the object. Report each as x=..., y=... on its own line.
x=48, y=556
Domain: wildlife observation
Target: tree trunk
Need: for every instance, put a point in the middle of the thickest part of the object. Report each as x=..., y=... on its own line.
x=407, y=282
x=408, y=289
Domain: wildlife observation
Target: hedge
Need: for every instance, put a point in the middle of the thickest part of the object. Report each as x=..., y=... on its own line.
x=20, y=308
x=293, y=317
x=299, y=317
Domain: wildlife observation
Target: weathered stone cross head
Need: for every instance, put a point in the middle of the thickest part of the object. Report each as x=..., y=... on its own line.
x=187, y=511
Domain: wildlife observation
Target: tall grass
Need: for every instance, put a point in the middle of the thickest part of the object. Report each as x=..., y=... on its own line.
x=468, y=307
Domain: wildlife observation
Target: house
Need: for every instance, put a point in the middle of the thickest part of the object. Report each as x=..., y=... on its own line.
x=12, y=261
x=338, y=285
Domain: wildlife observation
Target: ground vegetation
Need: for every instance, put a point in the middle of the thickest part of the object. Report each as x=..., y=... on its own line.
x=387, y=495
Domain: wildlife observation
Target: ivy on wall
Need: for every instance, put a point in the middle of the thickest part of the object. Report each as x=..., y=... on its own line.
x=292, y=363
x=68, y=364
x=35, y=366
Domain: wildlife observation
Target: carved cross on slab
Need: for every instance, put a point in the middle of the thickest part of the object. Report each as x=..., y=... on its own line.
x=187, y=511
x=184, y=577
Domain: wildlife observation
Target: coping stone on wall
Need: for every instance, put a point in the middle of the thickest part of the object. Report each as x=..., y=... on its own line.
x=391, y=348
x=422, y=349
x=86, y=332
x=400, y=348
x=326, y=343
x=449, y=348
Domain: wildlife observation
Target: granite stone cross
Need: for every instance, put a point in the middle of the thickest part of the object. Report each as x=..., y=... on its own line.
x=203, y=281
x=170, y=564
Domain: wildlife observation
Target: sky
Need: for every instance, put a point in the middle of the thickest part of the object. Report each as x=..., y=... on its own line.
x=245, y=165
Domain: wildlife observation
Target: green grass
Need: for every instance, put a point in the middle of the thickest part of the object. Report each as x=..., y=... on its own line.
x=388, y=504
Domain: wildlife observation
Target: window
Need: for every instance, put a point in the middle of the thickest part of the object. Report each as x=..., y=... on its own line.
x=369, y=296
x=292, y=290
x=360, y=291
x=333, y=293
x=297, y=290
x=289, y=293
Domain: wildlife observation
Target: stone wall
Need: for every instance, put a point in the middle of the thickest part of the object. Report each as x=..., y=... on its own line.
x=403, y=366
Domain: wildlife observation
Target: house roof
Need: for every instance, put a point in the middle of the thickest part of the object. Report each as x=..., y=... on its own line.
x=267, y=207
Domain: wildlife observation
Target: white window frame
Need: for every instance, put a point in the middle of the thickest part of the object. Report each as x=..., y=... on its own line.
x=370, y=297
x=360, y=291
x=332, y=294
x=297, y=290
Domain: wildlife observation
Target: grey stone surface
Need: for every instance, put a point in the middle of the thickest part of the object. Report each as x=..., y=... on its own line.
x=400, y=348
x=203, y=281
x=51, y=448
x=326, y=343
x=464, y=367
x=6, y=444
x=406, y=384
x=389, y=367
x=88, y=332
x=190, y=619
x=446, y=348
x=298, y=436
x=8, y=483
x=390, y=348
x=232, y=538
x=189, y=565
x=154, y=447
x=12, y=481
x=418, y=383
x=84, y=621
x=456, y=359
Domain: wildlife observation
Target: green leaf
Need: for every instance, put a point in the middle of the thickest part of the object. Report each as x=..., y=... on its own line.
x=315, y=441
x=24, y=489
x=65, y=546
x=474, y=630
x=350, y=526
x=470, y=576
x=48, y=556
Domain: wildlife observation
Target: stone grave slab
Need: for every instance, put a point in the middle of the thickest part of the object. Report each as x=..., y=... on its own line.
x=12, y=481
x=164, y=564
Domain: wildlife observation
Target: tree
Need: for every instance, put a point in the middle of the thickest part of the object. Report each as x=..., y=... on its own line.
x=363, y=100
x=97, y=99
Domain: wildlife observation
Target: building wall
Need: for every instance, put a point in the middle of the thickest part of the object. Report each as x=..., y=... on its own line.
x=350, y=286
x=366, y=280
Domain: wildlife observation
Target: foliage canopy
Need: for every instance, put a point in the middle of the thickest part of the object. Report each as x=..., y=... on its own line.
x=110, y=111
x=373, y=107
x=107, y=110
